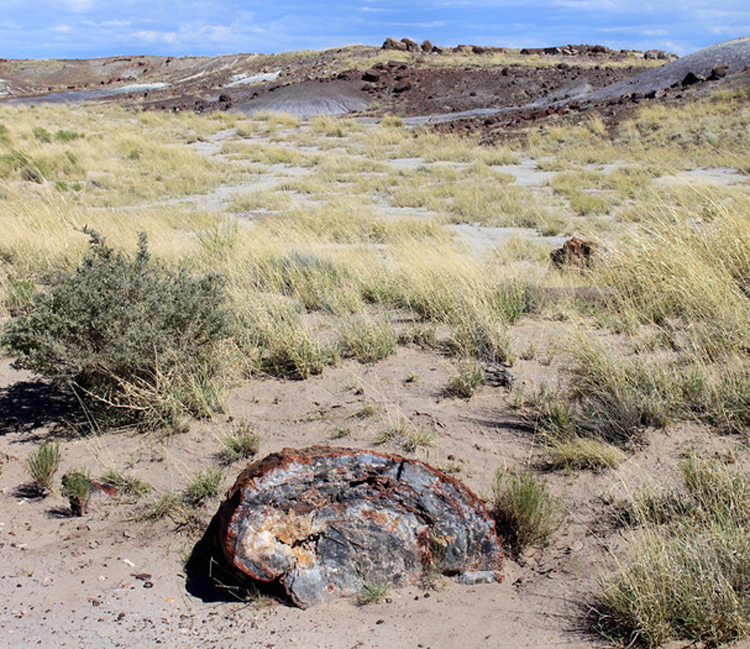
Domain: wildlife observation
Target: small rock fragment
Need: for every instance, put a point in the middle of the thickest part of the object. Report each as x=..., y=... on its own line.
x=575, y=252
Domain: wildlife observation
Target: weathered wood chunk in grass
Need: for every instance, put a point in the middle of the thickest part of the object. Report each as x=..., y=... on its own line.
x=575, y=252
x=323, y=522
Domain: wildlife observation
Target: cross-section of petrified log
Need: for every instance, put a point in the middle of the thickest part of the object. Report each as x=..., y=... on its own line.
x=325, y=521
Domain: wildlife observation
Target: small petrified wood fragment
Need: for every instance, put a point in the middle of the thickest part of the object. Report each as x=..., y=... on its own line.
x=325, y=521
x=575, y=252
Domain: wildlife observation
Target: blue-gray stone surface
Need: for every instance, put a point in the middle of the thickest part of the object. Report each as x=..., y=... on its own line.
x=323, y=522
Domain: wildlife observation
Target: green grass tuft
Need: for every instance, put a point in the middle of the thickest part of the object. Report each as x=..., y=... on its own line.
x=43, y=463
x=204, y=484
x=466, y=381
x=76, y=487
x=241, y=443
x=527, y=514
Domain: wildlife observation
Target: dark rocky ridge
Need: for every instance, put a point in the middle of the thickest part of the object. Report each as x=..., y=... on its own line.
x=472, y=93
x=318, y=82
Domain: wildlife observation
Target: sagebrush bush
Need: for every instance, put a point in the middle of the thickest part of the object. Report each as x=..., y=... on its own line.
x=123, y=331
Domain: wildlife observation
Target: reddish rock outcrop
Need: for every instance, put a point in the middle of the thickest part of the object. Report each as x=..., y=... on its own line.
x=718, y=72
x=411, y=46
x=322, y=522
x=393, y=44
x=403, y=84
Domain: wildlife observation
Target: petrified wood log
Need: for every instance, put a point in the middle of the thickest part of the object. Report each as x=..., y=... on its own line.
x=325, y=521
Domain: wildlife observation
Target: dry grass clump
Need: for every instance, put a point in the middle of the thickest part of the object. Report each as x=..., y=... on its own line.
x=241, y=443
x=689, y=576
x=341, y=220
x=556, y=417
x=125, y=483
x=317, y=282
x=690, y=271
x=611, y=397
x=273, y=120
x=478, y=196
x=582, y=453
x=683, y=278
x=582, y=191
x=203, y=484
x=262, y=199
x=686, y=136
x=617, y=396
x=373, y=593
x=285, y=343
x=265, y=154
x=168, y=504
x=465, y=382
x=572, y=145
x=334, y=127
x=476, y=304
x=106, y=158
x=391, y=121
x=368, y=338
x=527, y=514
x=76, y=487
x=408, y=437
x=344, y=168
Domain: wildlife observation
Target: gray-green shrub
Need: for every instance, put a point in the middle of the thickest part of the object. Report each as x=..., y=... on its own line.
x=127, y=334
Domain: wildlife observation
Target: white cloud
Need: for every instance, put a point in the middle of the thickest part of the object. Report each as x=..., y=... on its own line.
x=152, y=36
x=106, y=23
x=79, y=6
x=417, y=25
x=96, y=27
x=730, y=30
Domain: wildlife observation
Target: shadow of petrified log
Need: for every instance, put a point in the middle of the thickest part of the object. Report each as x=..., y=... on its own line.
x=212, y=579
x=324, y=522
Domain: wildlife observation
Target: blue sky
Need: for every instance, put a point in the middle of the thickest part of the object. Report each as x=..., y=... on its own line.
x=90, y=28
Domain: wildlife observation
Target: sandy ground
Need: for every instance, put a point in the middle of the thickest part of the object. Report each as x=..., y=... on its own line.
x=111, y=579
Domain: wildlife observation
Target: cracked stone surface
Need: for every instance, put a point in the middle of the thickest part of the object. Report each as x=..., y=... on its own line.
x=325, y=521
